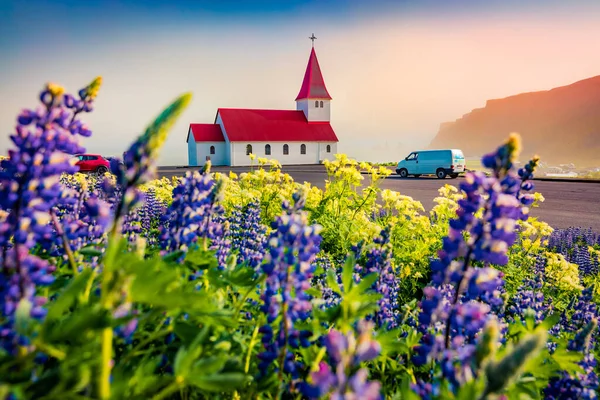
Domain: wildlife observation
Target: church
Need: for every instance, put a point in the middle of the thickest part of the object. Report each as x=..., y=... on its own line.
x=292, y=137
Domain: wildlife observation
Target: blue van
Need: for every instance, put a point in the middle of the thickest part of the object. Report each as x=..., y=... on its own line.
x=440, y=163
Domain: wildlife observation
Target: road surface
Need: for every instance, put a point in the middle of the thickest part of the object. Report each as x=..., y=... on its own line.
x=567, y=203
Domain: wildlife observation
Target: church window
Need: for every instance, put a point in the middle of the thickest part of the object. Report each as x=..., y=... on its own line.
x=212, y=149
x=317, y=103
x=248, y=149
x=329, y=148
x=286, y=149
x=302, y=149
x=268, y=150
x=321, y=104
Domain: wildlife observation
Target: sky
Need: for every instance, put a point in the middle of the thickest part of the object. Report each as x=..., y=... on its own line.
x=395, y=69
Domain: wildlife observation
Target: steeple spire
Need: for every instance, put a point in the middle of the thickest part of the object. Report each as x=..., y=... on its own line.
x=313, y=86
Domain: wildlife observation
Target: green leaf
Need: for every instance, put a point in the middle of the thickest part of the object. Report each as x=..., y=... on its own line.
x=391, y=342
x=469, y=390
x=332, y=282
x=406, y=392
x=186, y=355
x=225, y=382
x=366, y=283
x=208, y=366
x=550, y=321
x=347, y=272
x=314, y=292
x=174, y=256
x=116, y=246
x=200, y=259
x=90, y=251
x=69, y=295
x=185, y=331
x=568, y=360
x=157, y=285
x=77, y=323
x=242, y=276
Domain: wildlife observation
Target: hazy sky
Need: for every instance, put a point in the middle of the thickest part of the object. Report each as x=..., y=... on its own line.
x=395, y=69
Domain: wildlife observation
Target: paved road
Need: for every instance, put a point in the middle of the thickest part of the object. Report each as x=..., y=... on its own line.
x=567, y=203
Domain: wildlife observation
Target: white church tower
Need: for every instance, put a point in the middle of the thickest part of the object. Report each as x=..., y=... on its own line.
x=313, y=98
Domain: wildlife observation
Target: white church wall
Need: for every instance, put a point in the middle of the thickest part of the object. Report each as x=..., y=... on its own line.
x=314, y=113
x=203, y=151
x=192, y=155
x=324, y=155
x=228, y=155
x=294, y=157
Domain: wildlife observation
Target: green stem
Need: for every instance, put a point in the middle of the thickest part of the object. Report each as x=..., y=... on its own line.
x=240, y=305
x=320, y=355
x=85, y=297
x=65, y=241
x=50, y=350
x=104, y=384
x=106, y=303
x=140, y=345
x=172, y=388
x=251, y=347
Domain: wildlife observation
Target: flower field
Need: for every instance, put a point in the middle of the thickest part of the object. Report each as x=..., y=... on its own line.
x=215, y=286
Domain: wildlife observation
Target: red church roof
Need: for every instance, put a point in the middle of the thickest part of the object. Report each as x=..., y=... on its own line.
x=246, y=125
x=313, y=86
x=206, y=133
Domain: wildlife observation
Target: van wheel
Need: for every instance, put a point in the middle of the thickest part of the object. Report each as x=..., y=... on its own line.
x=453, y=176
x=403, y=173
x=440, y=173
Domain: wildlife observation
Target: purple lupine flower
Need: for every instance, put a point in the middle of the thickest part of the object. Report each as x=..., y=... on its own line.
x=452, y=311
x=584, y=385
x=425, y=390
x=82, y=218
x=248, y=234
x=329, y=298
x=526, y=185
x=288, y=266
x=346, y=352
x=378, y=260
x=574, y=244
x=529, y=300
x=132, y=227
x=127, y=330
x=151, y=212
x=221, y=241
x=29, y=190
x=586, y=310
x=191, y=216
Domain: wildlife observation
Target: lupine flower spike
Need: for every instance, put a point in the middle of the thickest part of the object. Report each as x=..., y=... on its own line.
x=288, y=266
x=464, y=285
x=342, y=377
x=29, y=190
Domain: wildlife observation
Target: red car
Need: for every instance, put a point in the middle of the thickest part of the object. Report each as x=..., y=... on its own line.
x=92, y=163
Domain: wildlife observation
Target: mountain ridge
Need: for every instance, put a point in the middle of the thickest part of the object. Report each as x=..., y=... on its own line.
x=561, y=124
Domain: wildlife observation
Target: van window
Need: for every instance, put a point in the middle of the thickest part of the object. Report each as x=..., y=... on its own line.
x=412, y=156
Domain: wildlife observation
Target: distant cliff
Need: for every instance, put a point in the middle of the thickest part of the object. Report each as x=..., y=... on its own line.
x=561, y=125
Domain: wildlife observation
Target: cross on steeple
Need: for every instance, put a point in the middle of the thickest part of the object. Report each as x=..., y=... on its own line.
x=312, y=38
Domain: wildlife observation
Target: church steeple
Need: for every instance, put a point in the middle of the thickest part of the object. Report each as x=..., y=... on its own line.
x=313, y=86
x=313, y=97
